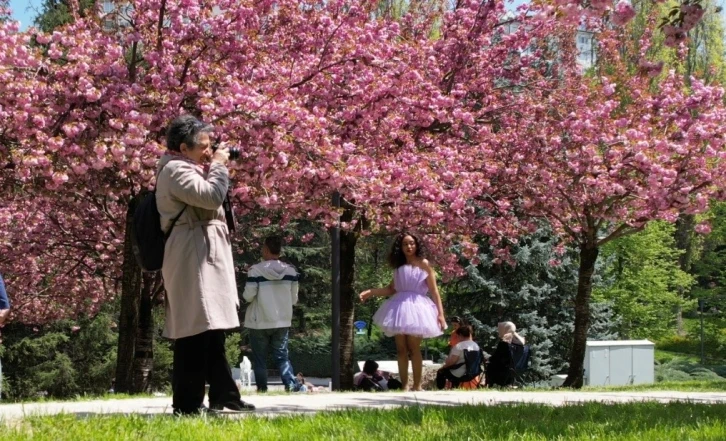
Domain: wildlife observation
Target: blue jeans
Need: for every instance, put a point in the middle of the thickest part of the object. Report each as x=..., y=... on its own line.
x=276, y=340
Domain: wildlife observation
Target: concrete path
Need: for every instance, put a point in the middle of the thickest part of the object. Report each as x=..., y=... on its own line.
x=285, y=404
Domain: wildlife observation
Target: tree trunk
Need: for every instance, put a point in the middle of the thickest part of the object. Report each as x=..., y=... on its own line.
x=588, y=257
x=144, y=351
x=131, y=281
x=684, y=241
x=301, y=319
x=348, y=240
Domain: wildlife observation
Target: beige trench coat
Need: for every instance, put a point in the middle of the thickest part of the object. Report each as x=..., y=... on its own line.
x=198, y=268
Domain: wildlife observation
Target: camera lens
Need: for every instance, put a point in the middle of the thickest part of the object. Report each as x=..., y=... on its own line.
x=233, y=151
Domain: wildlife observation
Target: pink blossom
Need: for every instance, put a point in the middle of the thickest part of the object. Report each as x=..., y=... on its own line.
x=692, y=14
x=674, y=35
x=623, y=12
x=650, y=68
x=703, y=228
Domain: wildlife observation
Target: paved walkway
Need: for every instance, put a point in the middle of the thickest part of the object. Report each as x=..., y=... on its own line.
x=285, y=404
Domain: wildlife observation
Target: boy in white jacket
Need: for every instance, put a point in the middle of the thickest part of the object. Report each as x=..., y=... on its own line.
x=271, y=289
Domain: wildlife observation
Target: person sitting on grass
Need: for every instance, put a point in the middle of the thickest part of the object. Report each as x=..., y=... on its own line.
x=454, y=367
x=371, y=379
x=301, y=385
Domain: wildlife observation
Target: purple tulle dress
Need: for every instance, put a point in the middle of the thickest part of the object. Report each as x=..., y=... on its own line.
x=410, y=311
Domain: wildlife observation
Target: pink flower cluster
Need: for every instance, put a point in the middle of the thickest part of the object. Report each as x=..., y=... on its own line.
x=674, y=35
x=691, y=15
x=676, y=31
x=651, y=69
x=623, y=12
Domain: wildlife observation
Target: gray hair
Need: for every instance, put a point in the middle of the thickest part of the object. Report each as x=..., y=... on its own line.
x=185, y=129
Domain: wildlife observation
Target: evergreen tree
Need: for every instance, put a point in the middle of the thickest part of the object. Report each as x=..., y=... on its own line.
x=56, y=13
x=536, y=294
x=61, y=360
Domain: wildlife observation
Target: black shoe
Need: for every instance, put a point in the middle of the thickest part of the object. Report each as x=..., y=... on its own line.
x=199, y=411
x=232, y=406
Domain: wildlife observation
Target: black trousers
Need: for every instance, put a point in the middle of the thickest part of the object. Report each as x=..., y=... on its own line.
x=201, y=359
x=445, y=374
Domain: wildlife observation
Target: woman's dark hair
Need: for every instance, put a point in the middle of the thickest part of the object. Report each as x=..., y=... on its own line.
x=464, y=331
x=370, y=367
x=396, y=258
x=185, y=129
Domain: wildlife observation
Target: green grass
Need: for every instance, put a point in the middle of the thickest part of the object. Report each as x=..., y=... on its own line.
x=663, y=356
x=623, y=422
x=104, y=397
x=682, y=386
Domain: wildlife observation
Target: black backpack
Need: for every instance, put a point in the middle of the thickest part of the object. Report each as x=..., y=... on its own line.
x=147, y=238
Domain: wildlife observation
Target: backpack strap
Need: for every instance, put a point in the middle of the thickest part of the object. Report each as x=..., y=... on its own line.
x=173, y=221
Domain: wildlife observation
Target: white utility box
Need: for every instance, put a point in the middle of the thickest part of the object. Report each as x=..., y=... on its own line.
x=617, y=363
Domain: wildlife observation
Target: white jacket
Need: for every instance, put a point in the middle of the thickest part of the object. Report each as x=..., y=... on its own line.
x=271, y=289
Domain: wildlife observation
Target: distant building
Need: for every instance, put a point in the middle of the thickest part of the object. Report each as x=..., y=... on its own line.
x=584, y=41
x=586, y=53
x=114, y=14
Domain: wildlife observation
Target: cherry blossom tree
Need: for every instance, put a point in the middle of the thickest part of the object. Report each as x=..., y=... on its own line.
x=613, y=151
x=322, y=97
x=446, y=121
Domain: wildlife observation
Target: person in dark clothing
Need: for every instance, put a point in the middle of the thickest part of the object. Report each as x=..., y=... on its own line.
x=4, y=302
x=4, y=313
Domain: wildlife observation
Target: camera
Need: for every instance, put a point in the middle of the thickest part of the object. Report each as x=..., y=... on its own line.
x=233, y=151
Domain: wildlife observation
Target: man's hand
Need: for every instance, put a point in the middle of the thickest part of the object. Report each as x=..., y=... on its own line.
x=4, y=314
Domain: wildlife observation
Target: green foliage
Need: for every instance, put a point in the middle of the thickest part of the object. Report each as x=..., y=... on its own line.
x=72, y=358
x=714, y=333
x=710, y=269
x=646, y=281
x=232, y=348
x=537, y=295
x=56, y=13
x=705, y=56
x=650, y=421
x=372, y=271
x=60, y=360
x=714, y=340
x=680, y=369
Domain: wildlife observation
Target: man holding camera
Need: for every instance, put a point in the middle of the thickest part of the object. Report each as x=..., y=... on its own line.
x=198, y=270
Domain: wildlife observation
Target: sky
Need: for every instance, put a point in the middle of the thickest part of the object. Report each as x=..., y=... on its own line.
x=23, y=11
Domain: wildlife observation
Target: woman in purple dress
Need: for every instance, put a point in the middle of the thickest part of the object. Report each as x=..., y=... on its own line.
x=410, y=315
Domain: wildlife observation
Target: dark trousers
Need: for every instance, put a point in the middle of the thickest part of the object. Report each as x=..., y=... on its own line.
x=275, y=340
x=445, y=374
x=201, y=359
